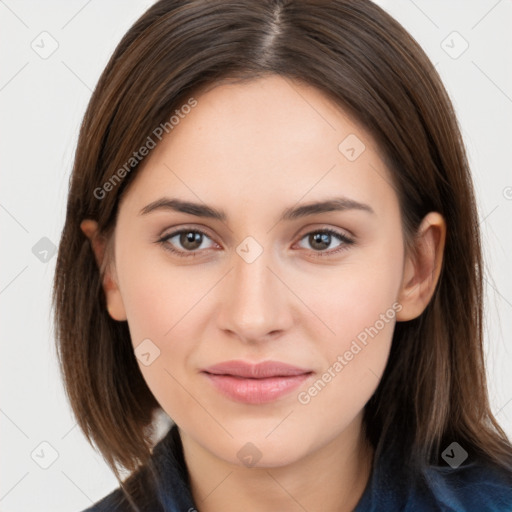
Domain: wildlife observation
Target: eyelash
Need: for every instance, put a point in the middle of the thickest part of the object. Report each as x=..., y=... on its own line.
x=187, y=254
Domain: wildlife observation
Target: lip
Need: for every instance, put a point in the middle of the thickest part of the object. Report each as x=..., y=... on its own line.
x=255, y=383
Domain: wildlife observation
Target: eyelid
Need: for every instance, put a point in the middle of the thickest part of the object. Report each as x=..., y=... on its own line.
x=173, y=230
x=343, y=232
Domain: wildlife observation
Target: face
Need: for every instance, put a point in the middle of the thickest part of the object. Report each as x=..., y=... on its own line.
x=270, y=280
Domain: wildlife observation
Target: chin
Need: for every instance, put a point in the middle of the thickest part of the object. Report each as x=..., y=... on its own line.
x=258, y=452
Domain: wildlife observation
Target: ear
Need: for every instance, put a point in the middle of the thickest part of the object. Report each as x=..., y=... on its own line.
x=115, y=305
x=422, y=267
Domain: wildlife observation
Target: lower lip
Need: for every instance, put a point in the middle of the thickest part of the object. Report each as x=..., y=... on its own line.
x=256, y=391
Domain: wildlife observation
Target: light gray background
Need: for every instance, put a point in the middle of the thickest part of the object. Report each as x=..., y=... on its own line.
x=42, y=102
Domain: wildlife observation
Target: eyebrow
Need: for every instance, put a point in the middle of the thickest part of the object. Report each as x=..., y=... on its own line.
x=203, y=210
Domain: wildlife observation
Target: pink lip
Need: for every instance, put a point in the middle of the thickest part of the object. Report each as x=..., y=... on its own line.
x=255, y=383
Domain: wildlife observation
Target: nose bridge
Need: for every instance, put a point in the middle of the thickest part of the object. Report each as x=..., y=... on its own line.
x=255, y=304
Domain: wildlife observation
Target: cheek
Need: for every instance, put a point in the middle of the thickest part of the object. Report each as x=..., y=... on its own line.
x=159, y=296
x=164, y=308
x=360, y=307
x=359, y=295
x=152, y=308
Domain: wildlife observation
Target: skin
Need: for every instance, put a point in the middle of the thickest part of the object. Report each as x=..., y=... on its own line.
x=254, y=149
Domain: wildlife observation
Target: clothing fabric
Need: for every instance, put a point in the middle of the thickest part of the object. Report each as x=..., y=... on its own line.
x=472, y=487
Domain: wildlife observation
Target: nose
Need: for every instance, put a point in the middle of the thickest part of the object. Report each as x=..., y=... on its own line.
x=256, y=305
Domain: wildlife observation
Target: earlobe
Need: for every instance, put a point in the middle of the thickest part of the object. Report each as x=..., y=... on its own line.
x=422, y=267
x=113, y=297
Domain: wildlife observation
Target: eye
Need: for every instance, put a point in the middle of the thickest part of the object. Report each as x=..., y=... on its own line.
x=191, y=240
x=321, y=239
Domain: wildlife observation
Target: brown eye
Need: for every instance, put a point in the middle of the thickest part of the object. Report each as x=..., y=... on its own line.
x=190, y=240
x=187, y=242
x=322, y=239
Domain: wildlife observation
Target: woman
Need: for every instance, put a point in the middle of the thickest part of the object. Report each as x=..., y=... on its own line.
x=271, y=236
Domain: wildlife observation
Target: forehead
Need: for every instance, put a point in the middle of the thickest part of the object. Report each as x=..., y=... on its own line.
x=268, y=138
x=274, y=117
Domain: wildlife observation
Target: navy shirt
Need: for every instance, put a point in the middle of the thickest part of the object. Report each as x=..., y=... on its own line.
x=471, y=487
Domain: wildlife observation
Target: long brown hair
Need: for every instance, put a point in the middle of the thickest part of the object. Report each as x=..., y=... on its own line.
x=433, y=391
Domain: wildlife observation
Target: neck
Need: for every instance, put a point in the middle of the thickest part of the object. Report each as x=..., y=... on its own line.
x=331, y=478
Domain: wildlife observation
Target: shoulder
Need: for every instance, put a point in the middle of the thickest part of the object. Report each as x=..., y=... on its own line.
x=114, y=502
x=477, y=486
x=163, y=486
x=117, y=501
x=142, y=494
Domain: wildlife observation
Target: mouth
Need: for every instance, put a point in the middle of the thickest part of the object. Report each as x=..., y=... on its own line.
x=255, y=383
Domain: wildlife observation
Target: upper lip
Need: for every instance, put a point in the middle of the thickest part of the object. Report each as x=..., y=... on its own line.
x=261, y=370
